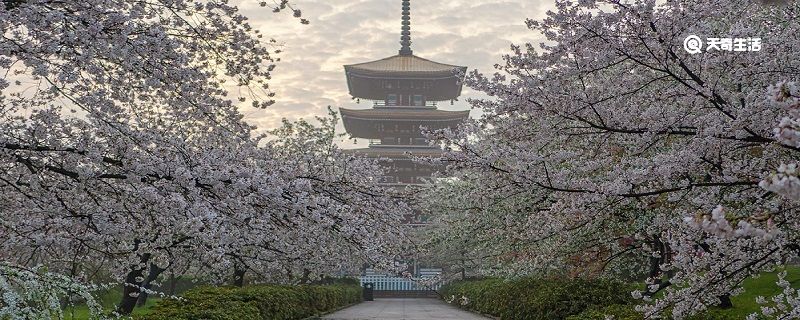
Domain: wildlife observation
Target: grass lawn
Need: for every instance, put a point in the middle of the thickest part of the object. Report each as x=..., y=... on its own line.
x=745, y=303
x=108, y=299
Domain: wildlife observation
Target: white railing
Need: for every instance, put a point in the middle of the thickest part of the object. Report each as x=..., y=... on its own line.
x=429, y=272
x=382, y=103
x=386, y=283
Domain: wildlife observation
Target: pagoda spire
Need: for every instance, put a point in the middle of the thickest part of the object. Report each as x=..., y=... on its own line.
x=405, y=35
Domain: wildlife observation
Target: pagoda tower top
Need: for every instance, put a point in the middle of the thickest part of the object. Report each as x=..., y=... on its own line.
x=392, y=78
x=405, y=90
x=405, y=34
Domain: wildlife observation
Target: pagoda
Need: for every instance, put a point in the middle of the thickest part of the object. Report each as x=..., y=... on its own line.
x=404, y=90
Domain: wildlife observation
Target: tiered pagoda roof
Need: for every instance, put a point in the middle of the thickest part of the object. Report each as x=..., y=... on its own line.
x=405, y=65
x=361, y=123
x=406, y=89
x=398, y=152
x=404, y=73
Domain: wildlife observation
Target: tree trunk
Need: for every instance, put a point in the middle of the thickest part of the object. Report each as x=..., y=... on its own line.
x=173, y=281
x=130, y=292
x=238, y=275
x=155, y=271
x=725, y=301
x=655, y=265
x=463, y=268
x=131, y=288
x=306, y=276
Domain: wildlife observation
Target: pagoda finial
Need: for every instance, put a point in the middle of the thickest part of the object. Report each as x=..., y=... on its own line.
x=405, y=35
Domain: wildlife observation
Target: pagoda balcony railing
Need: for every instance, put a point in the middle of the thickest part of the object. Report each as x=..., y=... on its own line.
x=407, y=132
x=390, y=180
x=382, y=104
x=403, y=131
x=379, y=143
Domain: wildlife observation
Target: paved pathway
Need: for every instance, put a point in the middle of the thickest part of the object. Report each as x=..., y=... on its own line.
x=403, y=309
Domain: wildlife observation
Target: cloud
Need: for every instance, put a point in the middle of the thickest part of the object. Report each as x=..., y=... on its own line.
x=310, y=76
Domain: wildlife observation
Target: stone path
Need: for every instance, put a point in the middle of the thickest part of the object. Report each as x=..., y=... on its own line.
x=403, y=309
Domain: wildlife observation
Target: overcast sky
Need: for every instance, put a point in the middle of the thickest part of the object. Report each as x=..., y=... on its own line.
x=310, y=76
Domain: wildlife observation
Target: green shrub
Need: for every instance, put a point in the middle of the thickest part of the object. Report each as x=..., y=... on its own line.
x=725, y=314
x=262, y=302
x=534, y=299
x=342, y=281
x=618, y=311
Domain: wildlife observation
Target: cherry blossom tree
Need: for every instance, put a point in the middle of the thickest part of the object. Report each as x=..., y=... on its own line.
x=610, y=149
x=121, y=150
x=467, y=226
x=37, y=294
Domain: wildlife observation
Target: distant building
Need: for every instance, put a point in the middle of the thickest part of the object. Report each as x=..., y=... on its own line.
x=404, y=90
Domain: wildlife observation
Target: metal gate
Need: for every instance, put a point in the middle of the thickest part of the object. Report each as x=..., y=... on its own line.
x=382, y=282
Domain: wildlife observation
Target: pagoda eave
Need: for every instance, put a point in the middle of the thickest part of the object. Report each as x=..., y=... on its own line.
x=435, y=88
x=405, y=114
x=377, y=123
x=397, y=153
x=405, y=74
x=455, y=73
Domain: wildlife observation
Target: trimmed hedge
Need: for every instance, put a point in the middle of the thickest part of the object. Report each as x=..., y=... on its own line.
x=617, y=311
x=534, y=299
x=627, y=312
x=261, y=302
